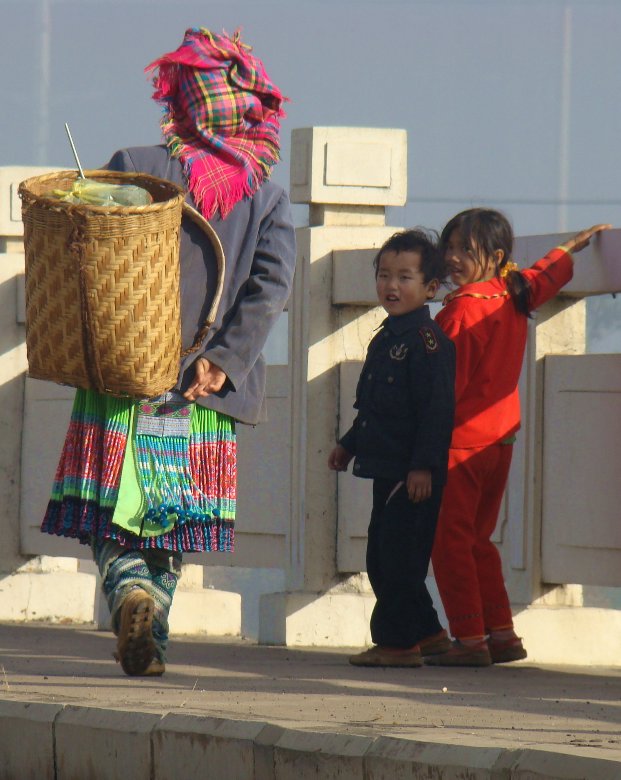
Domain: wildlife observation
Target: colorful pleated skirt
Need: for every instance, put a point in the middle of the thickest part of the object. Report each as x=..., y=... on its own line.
x=154, y=474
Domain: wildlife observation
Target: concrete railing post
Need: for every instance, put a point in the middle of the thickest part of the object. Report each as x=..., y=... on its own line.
x=347, y=176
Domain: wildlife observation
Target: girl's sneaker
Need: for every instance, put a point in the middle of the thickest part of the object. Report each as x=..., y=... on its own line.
x=462, y=654
x=504, y=651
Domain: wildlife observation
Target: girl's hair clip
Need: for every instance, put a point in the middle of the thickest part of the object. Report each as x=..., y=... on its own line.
x=508, y=267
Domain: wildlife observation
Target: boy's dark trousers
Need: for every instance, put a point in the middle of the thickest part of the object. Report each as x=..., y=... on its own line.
x=399, y=547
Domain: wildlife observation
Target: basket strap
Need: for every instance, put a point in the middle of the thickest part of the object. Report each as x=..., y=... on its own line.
x=202, y=223
x=76, y=243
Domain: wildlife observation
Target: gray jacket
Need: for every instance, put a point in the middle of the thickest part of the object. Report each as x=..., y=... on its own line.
x=258, y=239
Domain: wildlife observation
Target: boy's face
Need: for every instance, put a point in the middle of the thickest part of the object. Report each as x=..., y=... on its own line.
x=400, y=284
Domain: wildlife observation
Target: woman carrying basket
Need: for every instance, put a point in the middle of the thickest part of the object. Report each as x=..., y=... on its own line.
x=144, y=482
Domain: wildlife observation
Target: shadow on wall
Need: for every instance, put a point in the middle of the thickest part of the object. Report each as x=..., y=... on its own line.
x=11, y=414
x=251, y=584
x=12, y=332
x=604, y=324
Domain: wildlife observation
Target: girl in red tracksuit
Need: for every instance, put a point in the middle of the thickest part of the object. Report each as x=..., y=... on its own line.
x=486, y=316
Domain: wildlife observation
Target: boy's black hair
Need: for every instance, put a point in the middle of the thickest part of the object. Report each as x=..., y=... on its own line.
x=425, y=243
x=483, y=232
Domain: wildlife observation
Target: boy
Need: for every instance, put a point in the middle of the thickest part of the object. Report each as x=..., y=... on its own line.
x=400, y=439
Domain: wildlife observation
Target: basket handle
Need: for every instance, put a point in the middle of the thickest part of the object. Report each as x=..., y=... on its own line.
x=202, y=223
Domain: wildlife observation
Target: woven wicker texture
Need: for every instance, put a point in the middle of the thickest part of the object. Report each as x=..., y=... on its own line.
x=102, y=286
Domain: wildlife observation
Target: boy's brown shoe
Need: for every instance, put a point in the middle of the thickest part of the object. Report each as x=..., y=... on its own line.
x=503, y=652
x=135, y=647
x=462, y=655
x=434, y=644
x=387, y=656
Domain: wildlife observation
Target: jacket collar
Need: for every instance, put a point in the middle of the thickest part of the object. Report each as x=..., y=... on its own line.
x=494, y=288
x=404, y=322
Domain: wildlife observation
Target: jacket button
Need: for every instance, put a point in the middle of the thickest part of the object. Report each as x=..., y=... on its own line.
x=364, y=423
x=369, y=376
x=390, y=380
x=356, y=467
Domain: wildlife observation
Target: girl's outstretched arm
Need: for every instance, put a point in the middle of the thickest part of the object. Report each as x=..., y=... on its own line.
x=550, y=274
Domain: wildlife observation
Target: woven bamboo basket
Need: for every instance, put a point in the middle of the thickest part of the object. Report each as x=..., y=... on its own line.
x=102, y=286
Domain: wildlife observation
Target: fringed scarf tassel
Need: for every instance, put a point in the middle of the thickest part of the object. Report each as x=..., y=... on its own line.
x=171, y=494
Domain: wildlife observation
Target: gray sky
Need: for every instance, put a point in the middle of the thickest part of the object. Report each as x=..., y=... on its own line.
x=507, y=102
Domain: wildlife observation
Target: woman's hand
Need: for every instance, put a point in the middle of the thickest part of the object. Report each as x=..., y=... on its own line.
x=581, y=239
x=208, y=378
x=339, y=459
x=418, y=485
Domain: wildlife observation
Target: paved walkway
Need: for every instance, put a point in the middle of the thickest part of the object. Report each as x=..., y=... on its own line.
x=563, y=711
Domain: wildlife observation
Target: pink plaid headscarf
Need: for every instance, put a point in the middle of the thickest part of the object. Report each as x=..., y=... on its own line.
x=221, y=117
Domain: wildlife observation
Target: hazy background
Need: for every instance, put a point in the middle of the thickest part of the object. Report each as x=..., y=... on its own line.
x=509, y=103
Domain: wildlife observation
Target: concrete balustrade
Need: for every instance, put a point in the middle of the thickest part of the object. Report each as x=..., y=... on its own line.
x=347, y=177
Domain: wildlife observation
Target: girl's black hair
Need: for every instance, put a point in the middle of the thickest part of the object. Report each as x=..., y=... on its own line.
x=425, y=243
x=483, y=232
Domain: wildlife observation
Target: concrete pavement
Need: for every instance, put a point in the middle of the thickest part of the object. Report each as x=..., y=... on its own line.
x=233, y=709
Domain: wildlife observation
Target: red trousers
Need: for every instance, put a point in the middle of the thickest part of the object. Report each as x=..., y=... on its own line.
x=466, y=563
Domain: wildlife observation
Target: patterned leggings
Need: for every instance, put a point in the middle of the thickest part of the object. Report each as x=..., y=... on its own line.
x=155, y=571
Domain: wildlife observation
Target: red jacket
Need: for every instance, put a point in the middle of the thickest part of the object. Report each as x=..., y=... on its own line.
x=490, y=338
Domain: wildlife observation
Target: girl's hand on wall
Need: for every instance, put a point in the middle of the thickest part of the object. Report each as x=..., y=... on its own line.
x=209, y=378
x=582, y=239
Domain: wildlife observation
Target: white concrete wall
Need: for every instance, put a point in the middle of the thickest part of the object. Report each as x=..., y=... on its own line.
x=347, y=176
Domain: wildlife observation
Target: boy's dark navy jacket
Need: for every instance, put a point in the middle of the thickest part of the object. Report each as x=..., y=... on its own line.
x=405, y=400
